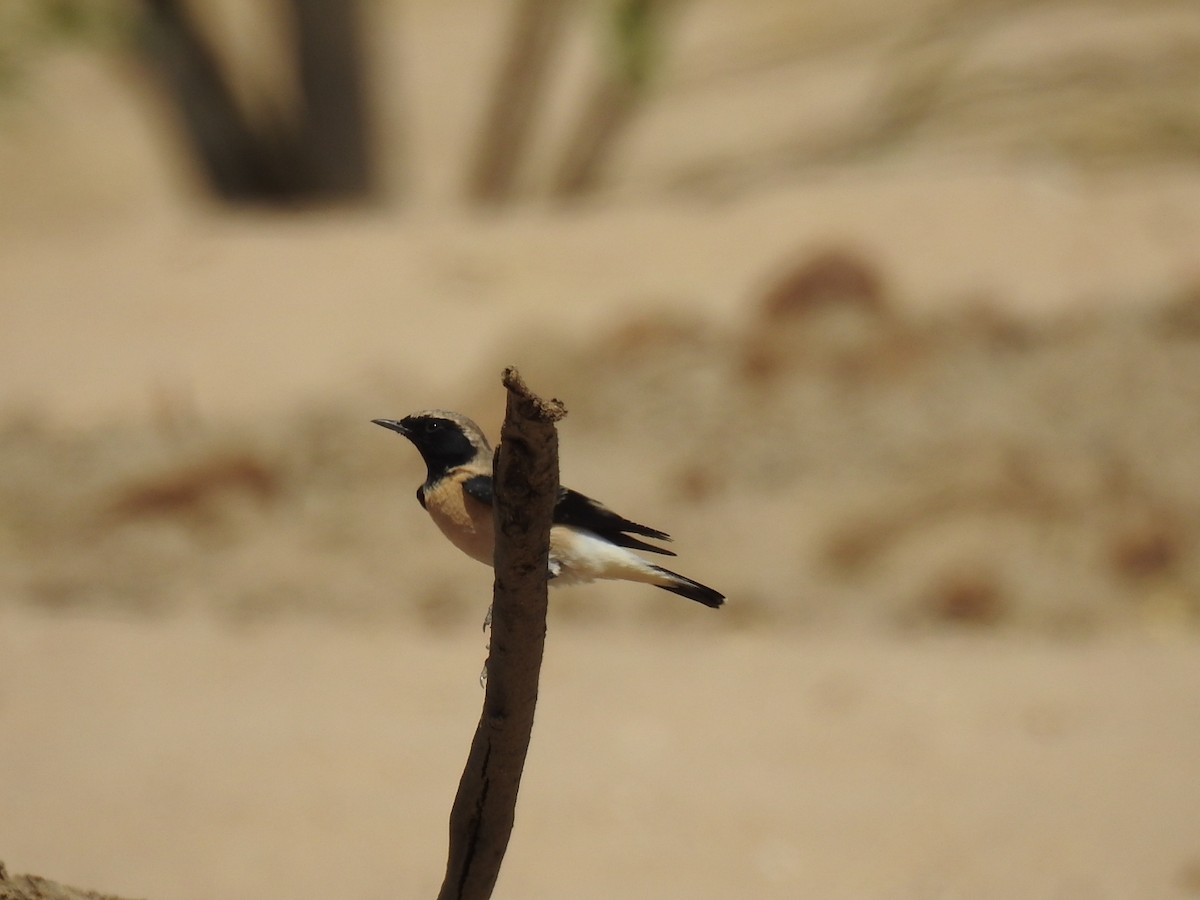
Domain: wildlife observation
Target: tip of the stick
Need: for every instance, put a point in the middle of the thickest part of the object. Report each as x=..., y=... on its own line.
x=546, y=410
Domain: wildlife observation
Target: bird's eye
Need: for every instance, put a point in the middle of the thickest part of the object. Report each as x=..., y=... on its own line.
x=435, y=425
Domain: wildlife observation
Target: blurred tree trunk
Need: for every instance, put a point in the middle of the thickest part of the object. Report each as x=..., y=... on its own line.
x=636, y=41
x=230, y=152
x=319, y=151
x=536, y=26
x=334, y=136
x=605, y=114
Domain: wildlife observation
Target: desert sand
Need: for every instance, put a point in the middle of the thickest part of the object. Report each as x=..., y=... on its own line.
x=929, y=414
x=182, y=759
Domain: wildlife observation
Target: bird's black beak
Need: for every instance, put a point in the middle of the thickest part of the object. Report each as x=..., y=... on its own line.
x=393, y=425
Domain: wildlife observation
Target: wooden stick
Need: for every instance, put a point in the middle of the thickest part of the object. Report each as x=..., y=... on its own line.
x=525, y=487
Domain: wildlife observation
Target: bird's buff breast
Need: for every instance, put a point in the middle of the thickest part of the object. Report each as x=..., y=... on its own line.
x=465, y=521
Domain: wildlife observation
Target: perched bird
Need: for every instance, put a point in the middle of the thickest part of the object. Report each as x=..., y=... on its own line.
x=587, y=539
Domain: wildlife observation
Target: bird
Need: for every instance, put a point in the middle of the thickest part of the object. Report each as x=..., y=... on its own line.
x=588, y=541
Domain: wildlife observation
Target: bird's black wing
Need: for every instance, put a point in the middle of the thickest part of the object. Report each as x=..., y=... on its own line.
x=479, y=487
x=574, y=509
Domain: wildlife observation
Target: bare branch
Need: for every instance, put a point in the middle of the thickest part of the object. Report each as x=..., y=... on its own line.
x=525, y=484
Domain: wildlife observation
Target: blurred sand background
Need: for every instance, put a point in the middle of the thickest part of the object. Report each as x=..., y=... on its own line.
x=908, y=365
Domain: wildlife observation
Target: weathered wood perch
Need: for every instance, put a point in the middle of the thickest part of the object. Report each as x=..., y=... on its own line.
x=525, y=485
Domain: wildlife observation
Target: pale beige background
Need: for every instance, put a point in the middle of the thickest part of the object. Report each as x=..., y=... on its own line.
x=959, y=657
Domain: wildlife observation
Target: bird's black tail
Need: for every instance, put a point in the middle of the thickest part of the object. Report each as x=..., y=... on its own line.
x=685, y=587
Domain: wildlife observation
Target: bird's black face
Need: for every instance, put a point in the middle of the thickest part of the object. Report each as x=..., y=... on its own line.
x=441, y=442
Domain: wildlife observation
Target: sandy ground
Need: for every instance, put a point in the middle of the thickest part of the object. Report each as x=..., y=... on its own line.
x=927, y=407
x=179, y=760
